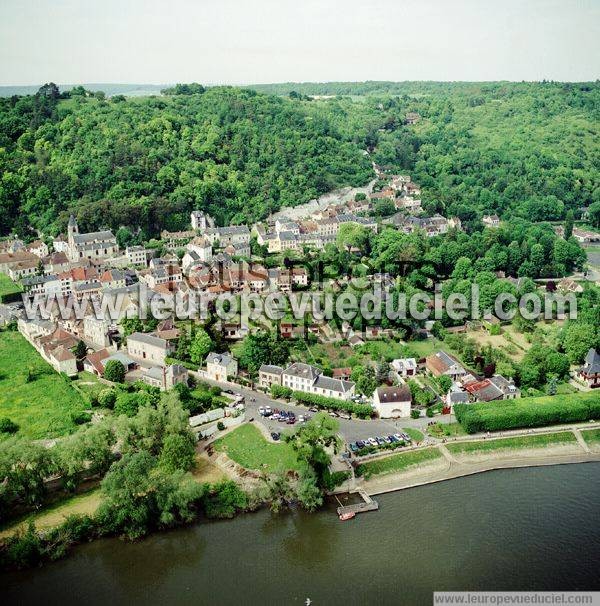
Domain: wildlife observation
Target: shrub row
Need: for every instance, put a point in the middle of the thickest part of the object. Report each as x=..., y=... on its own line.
x=364, y=411
x=528, y=412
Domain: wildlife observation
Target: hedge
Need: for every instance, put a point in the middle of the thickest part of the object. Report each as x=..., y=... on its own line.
x=364, y=411
x=528, y=412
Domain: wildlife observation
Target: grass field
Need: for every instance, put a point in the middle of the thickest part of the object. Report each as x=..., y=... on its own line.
x=447, y=430
x=591, y=436
x=537, y=441
x=247, y=447
x=414, y=434
x=53, y=515
x=42, y=407
x=397, y=462
x=8, y=287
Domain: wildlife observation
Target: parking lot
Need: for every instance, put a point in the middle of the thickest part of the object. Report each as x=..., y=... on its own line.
x=351, y=430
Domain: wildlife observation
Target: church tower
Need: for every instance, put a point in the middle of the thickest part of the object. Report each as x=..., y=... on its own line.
x=72, y=228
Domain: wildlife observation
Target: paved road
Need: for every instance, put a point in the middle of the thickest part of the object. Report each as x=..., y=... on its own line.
x=351, y=429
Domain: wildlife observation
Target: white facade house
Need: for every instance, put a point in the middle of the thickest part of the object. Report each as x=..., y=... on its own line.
x=220, y=366
x=310, y=379
x=392, y=402
x=404, y=367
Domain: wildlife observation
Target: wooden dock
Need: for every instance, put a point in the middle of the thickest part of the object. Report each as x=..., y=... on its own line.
x=368, y=504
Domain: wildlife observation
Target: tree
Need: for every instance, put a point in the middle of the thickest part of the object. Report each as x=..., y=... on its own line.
x=594, y=213
x=178, y=452
x=313, y=440
x=7, y=426
x=578, y=338
x=138, y=496
x=114, y=371
x=445, y=383
x=24, y=466
x=200, y=346
x=568, y=224
x=263, y=347
x=80, y=350
x=365, y=379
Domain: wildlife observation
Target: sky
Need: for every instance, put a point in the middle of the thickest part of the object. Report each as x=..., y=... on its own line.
x=259, y=41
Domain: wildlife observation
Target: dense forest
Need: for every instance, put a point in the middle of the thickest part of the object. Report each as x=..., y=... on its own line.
x=518, y=149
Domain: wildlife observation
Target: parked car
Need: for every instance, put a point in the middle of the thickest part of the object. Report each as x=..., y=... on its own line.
x=373, y=442
x=393, y=439
x=301, y=418
x=291, y=420
x=268, y=411
x=353, y=447
x=275, y=436
x=332, y=413
x=380, y=441
x=262, y=411
x=360, y=444
x=398, y=437
x=313, y=409
x=387, y=440
x=275, y=417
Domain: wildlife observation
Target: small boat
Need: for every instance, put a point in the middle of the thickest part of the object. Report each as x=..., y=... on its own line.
x=347, y=516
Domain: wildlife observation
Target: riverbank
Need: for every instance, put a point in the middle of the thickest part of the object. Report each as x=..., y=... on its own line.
x=451, y=467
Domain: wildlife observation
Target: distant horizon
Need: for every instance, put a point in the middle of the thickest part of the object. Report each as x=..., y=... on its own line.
x=279, y=82
x=278, y=41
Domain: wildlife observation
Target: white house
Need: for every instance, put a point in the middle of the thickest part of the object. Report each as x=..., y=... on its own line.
x=220, y=366
x=392, y=402
x=405, y=367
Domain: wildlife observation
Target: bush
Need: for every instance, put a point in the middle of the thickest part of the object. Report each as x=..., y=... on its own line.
x=415, y=414
x=224, y=499
x=79, y=417
x=528, y=412
x=279, y=391
x=8, y=426
x=220, y=426
x=364, y=411
x=114, y=371
x=107, y=398
x=188, y=365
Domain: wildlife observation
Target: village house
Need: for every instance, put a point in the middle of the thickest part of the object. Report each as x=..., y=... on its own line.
x=494, y=388
x=441, y=363
x=238, y=235
x=38, y=248
x=53, y=343
x=392, y=402
x=310, y=379
x=269, y=375
x=220, y=366
x=491, y=221
x=112, y=278
x=93, y=245
x=404, y=367
x=9, y=260
x=567, y=285
x=45, y=286
x=24, y=268
x=590, y=371
x=137, y=255
x=148, y=346
x=166, y=378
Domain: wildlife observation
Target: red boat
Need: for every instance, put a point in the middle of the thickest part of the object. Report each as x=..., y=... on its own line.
x=346, y=516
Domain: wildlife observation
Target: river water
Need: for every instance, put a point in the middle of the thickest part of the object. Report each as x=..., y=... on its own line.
x=526, y=529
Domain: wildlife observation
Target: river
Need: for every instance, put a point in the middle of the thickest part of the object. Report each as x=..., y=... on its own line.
x=535, y=528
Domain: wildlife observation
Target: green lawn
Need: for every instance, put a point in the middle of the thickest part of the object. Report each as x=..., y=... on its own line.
x=247, y=446
x=8, y=287
x=446, y=430
x=42, y=407
x=537, y=441
x=591, y=435
x=415, y=434
x=397, y=462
